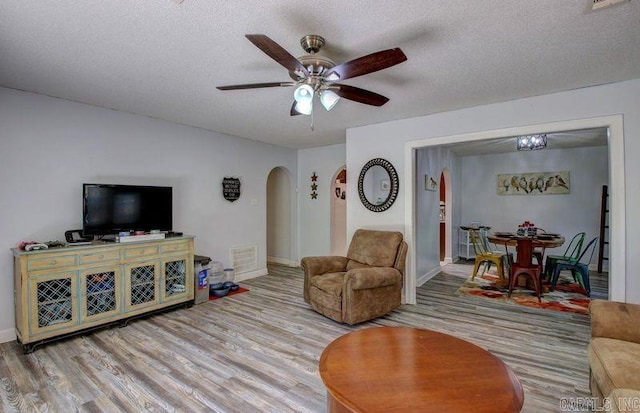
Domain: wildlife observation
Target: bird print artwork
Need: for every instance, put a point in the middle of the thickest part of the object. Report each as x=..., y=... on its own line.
x=534, y=183
x=540, y=183
x=523, y=184
x=514, y=183
x=561, y=182
x=549, y=183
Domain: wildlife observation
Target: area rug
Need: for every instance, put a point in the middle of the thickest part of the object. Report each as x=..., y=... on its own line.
x=238, y=291
x=568, y=295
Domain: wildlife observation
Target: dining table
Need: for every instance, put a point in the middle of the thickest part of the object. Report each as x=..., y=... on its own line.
x=524, y=248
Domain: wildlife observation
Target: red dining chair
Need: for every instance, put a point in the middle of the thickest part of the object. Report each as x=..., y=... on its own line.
x=524, y=265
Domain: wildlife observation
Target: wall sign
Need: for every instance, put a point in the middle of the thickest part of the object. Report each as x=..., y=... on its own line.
x=230, y=188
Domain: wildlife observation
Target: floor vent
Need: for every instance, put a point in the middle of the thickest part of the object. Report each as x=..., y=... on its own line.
x=244, y=258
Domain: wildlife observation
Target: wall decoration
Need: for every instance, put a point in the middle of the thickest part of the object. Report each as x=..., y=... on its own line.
x=430, y=184
x=230, y=188
x=314, y=186
x=534, y=183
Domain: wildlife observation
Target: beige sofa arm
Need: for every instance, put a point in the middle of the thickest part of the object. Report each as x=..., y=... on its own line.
x=371, y=277
x=611, y=319
x=318, y=266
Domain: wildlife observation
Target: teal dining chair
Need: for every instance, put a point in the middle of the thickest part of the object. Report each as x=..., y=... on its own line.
x=571, y=254
x=580, y=267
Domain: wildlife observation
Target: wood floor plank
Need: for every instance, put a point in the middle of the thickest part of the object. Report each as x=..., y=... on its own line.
x=258, y=351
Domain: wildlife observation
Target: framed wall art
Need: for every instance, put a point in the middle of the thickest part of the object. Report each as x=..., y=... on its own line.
x=430, y=184
x=534, y=183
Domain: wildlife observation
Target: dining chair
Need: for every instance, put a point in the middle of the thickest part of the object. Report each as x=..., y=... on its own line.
x=571, y=254
x=524, y=265
x=484, y=255
x=507, y=257
x=580, y=267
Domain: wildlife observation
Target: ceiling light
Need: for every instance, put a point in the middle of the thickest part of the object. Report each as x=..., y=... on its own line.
x=329, y=98
x=531, y=142
x=304, y=99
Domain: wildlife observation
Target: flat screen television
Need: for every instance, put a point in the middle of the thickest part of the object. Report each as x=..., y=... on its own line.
x=110, y=209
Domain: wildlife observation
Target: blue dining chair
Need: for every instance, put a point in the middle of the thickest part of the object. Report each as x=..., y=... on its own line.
x=571, y=254
x=580, y=267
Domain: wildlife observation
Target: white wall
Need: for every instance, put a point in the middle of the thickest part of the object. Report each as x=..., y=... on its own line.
x=314, y=215
x=431, y=161
x=49, y=147
x=388, y=140
x=565, y=214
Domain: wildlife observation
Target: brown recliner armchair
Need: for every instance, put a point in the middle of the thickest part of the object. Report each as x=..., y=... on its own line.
x=365, y=284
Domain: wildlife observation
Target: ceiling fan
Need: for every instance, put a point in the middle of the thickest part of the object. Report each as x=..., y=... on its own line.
x=316, y=75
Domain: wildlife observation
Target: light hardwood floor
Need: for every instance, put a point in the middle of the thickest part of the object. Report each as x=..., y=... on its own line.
x=259, y=351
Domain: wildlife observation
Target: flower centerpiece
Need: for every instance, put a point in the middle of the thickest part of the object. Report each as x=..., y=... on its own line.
x=527, y=229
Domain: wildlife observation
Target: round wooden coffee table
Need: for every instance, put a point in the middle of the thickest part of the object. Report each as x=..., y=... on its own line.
x=406, y=369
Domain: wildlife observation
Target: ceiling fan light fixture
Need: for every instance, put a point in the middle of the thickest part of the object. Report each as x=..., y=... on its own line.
x=531, y=142
x=329, y=98
x=304, y=99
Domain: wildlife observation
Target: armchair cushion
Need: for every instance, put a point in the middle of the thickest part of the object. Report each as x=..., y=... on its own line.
x=374, y=248
x=614, y=364
x=372, y=277
x=615, y=320
x=614, y=351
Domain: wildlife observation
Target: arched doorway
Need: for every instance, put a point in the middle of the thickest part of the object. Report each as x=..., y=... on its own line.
x=279, y=217
x=339, y=212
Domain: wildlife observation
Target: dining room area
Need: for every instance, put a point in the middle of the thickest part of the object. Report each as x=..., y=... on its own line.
x=524, y=224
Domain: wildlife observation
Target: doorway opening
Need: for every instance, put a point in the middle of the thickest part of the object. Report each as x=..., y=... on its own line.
x=615, y=139
x=279, y=217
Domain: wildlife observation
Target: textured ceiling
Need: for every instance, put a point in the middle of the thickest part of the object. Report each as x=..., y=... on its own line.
x=163, y=58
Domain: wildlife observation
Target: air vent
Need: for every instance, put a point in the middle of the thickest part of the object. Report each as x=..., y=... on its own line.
x=244, y=258
x=601, y=4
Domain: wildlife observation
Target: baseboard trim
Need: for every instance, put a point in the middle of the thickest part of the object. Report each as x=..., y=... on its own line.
x=7, y=335
x=249, y=275
x=426, y=277
x=282, y=261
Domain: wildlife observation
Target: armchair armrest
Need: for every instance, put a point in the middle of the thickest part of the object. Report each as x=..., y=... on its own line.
x=371, y=277
x=615, y=320
x=318, y=266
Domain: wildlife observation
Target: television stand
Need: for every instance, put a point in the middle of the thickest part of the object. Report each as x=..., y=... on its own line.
x=60, y=291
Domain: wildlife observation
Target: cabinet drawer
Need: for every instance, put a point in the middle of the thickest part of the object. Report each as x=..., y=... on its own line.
x=55, y=261
x=141, y=251
x=98, y=257
x=176, y=247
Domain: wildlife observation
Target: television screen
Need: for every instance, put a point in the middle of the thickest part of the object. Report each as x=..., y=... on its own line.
x=109, y=209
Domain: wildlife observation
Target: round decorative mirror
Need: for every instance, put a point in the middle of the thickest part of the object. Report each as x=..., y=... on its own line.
x=378, y=185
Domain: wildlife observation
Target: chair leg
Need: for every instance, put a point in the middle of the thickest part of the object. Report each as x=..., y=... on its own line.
x=584, y=276
x=476, y=266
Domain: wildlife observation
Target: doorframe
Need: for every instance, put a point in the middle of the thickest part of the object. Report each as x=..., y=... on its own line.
x=617, y=217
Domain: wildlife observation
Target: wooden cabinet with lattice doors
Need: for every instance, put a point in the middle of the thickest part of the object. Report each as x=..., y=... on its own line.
x=64, y=291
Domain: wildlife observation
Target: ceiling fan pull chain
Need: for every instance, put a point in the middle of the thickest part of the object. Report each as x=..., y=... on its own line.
x=311, y=121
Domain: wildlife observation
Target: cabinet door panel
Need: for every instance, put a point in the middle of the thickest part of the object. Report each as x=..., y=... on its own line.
x=141, y=285
x=177, y=278
x=53, y=302
x=100, y=288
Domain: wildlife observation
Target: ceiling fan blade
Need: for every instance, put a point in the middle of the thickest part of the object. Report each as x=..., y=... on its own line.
x=277, y=53
x=360, y=95
x=367, y=64
x=294, y=112
x=255, y=85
